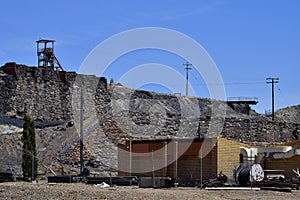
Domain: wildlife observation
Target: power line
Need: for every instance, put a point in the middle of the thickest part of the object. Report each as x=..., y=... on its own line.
x=273, y=80
x=244, y=83
x=229, y=83
x=196, y=77
x=282, y=95
x=187, y=68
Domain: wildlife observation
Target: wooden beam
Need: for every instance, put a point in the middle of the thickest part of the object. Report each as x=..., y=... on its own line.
x=232, y=188
x=285, y=189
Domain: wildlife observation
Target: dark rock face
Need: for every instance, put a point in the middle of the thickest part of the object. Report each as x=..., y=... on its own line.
x=112, y=112
x=258, y=130
x=37, y=89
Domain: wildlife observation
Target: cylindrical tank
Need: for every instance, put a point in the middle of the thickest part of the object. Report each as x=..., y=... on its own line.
x=245, y=174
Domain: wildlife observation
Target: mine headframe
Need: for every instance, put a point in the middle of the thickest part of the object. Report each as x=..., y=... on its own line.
x=46, y=56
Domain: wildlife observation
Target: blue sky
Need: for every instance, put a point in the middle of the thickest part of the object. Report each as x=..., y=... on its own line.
x=248, y=40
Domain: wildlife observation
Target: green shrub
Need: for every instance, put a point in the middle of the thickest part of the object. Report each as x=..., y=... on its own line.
x=29, y=147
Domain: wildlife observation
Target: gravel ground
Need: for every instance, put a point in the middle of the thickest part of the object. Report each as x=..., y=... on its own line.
x=21, y=190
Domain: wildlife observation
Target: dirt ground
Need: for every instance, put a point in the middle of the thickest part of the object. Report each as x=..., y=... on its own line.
x=21, y=190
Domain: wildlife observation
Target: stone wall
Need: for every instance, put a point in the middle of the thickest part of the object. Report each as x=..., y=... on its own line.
x=260, y=130
x=45, y=97
x=123, y=113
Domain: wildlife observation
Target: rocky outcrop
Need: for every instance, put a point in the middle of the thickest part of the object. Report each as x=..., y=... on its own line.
x=289, y=114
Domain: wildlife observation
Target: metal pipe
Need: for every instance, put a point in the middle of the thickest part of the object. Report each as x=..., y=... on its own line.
x=176, y=159
x=110, y=170
x=130, y=157
x=251, y=164
x=153, y=175
x=201, y=177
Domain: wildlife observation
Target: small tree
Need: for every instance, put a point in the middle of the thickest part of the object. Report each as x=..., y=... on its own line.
x=29, y=148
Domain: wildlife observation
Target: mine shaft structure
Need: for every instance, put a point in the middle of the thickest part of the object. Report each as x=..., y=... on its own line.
x=46, y=56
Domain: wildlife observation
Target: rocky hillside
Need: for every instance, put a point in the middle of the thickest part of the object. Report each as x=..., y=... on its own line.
x=112, y=113
x=289, y=114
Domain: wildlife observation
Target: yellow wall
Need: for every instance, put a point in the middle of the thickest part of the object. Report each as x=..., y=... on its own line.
x=228, y=156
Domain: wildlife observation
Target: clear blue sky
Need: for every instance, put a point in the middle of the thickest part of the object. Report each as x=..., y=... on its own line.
x=248, y=40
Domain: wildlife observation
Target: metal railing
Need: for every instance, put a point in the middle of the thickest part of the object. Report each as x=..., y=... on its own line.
x=244, y=99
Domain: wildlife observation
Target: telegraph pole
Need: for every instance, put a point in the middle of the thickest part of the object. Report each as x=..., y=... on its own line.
x=81, y=131
x=187, y=68
x=272, y=81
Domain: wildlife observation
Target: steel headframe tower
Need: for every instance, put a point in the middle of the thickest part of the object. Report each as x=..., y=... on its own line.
x=46, y=57
x=272, y=81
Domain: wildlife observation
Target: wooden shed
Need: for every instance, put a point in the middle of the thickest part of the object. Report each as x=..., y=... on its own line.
x=179, y=158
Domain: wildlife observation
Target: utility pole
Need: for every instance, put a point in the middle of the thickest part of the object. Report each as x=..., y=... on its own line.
x=272, y=81
x=81, y=131
x=187, y=68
